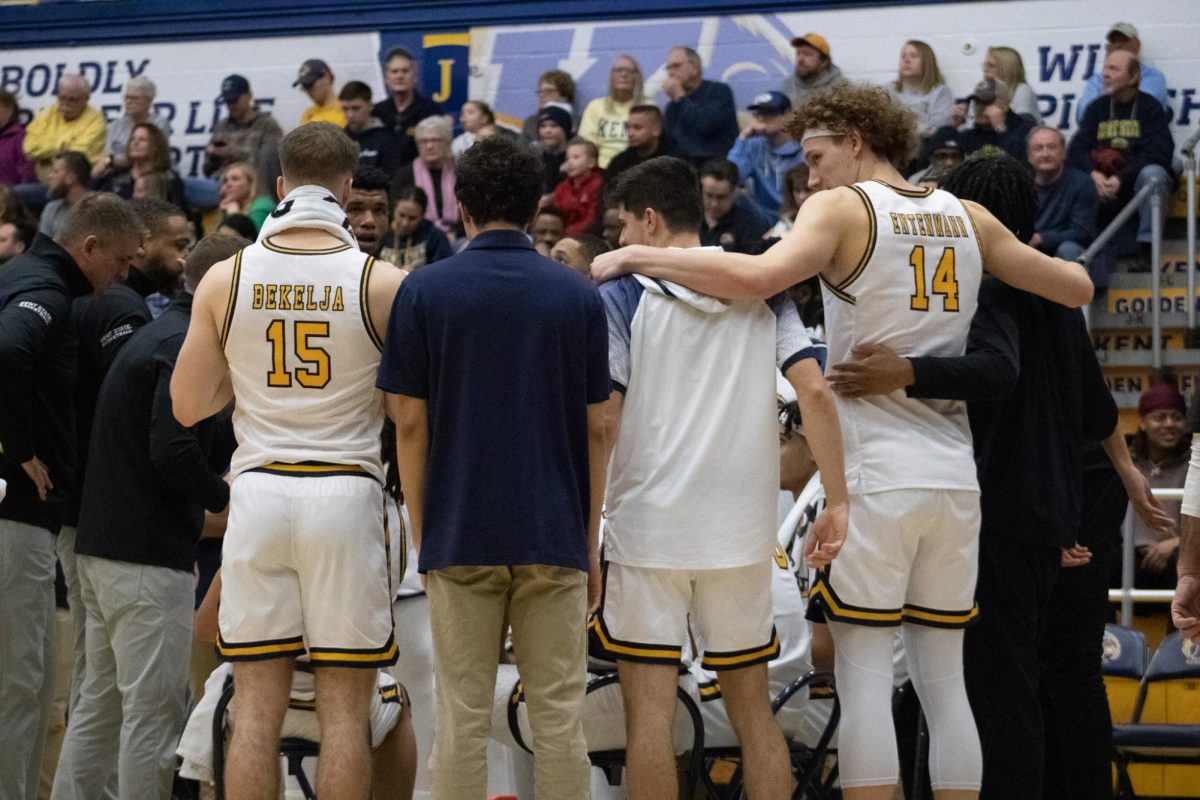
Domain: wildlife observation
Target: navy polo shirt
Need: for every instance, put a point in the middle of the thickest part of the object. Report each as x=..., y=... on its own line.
x=508, y=349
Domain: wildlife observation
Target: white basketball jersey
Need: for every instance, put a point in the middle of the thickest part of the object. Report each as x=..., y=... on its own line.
x=303, y=357
x=915, y=291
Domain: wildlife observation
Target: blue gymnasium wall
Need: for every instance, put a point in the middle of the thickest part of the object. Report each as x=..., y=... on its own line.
x=52, y=23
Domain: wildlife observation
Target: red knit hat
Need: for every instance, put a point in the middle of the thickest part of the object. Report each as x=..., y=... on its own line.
x=1163, y=397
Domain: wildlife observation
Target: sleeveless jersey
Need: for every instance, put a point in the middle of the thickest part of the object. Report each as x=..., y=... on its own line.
x=303, y=357
x=914, y=290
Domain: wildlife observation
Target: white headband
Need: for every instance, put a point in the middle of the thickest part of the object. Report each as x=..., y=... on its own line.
x=813, y=133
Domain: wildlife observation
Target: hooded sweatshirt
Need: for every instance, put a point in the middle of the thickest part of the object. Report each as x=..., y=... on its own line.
x=694, y=475
x=799, y=90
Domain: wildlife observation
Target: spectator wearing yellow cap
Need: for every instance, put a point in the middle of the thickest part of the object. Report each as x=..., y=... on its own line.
x=1160, y=451
x=815, y=69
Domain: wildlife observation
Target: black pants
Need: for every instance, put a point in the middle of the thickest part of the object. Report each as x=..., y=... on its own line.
x=1002, y=663
x=1074, y=701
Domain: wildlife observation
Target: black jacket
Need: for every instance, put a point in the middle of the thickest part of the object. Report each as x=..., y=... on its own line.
x=378, y=148
x=739, y=231
x=38, y=362
x=1029, y=439
x=629, y=157
x=103, y=324
x=150, y=480
x=402, y=124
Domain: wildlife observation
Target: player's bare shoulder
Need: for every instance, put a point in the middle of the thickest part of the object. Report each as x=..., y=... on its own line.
x=212, y=297
x=382, y=285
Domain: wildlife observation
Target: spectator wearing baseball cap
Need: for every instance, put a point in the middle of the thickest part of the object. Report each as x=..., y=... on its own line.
x=815, y=69
x=943, y=152
x=1160, y=451
x=765, y=150
x=1124, y=36
x=997, y=129
x=553, y=132
x=316, y=78
x=246, y=134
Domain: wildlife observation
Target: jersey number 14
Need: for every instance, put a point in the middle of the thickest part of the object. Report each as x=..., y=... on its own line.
x=945, y=281
x=313, y=369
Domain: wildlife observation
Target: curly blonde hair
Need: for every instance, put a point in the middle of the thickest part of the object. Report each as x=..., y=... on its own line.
x=887, y=126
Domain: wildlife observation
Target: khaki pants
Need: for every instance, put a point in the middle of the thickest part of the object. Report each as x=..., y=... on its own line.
x=547, y=607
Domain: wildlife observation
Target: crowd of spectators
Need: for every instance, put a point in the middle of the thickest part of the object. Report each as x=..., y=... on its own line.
x=1122, y=145
x=71, y=167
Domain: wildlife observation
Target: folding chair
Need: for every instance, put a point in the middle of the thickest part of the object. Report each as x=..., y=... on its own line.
x=807, y=762
x=1124, y=658
x=613, y=761
x=1176, y=659
x=294, y=751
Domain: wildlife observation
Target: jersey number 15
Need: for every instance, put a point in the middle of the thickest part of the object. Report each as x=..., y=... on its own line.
x=313, y=370
x=945, y=281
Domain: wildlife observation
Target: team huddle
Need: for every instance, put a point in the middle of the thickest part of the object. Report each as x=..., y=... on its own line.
x=653, y=396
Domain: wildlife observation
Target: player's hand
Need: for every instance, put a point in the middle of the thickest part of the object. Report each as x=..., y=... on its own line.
x=1185, y=609
x=875, y=369
x=827, y=536
x=1144, y=502
x=594, y=583
x=1158, y=555
x=1076, y=556
x=1035, y=241
x=40, y=476
x=616, y=263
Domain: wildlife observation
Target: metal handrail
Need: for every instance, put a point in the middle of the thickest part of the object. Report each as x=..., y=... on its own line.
x=1120, y=219
x=1156, y=228
x=1189, y=171
x=1126, y=595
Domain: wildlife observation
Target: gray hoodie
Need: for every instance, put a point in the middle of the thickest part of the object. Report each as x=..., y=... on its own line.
x=799, y=91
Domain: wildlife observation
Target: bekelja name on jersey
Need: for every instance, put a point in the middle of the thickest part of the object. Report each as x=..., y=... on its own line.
x=297, y=297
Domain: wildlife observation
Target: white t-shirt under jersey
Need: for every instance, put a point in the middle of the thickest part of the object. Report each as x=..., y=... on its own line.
x=695, y=471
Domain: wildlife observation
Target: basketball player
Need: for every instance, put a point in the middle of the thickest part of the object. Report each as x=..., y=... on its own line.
x=899, y=265
x=690, y=543
x=291, y=329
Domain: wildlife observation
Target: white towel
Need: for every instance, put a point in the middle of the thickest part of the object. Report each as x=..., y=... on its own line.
x=309, y=207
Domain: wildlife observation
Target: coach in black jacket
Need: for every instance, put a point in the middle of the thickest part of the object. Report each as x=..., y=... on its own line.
x=142, y=511
x=103, y=323
x=37, y=423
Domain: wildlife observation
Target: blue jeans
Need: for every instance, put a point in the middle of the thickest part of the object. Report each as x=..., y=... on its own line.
x=1148, y=173
x=1069, y=251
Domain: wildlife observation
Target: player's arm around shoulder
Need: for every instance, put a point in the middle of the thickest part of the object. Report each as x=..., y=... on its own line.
x=382, y=286
x=200, y=385
x=1023, y=267
x=829, y=236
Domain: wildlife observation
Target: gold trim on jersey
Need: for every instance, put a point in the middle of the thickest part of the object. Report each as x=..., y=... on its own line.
x=839, y=290
x=257, y=651
x=367, y=657
x=736, y=659
x=928, y=190
x=838, y=610
x=710, y=690
x=292, y=251
x=635, y=651
x=974, y=229
x=935, y=618
x=311, y=469
x=233, y=293
x=364, y=302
